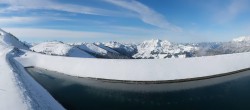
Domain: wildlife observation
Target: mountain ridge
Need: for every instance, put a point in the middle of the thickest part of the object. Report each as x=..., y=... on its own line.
x=149, y=49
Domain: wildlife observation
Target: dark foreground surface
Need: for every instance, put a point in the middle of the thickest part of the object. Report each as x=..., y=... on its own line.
x=230, y=92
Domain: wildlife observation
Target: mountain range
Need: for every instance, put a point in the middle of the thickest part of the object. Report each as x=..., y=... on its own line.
x=150, y=49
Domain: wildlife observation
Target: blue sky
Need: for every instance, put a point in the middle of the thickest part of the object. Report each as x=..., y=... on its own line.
x=125, y=20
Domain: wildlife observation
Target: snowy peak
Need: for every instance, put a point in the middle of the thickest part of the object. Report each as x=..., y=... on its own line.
x=3, y=36
x=158, y=49
x=242, y=39
x=113, y=44
x=157, y=41
x=155, y=44
x=2, y=32
x=8, y=39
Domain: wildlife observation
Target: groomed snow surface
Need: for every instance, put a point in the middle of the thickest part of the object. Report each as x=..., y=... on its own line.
x=10, y=93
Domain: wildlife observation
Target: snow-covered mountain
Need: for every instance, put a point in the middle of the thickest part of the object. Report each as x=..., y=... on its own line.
x=11, y=40
x=237, y=45
x=151, y=49
x=124, y=49
x=99, y=50
x=158, y=49
x=92, y=48
x=60, y=48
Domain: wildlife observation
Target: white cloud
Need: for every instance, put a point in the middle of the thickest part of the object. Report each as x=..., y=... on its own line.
x=133, y=7
x=17, y=5
x=141, y=11
x=55, y=33
x=15, y=20
x=29, y=19
x=146, y=14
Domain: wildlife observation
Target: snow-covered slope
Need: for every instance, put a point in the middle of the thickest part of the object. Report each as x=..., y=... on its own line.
x=122, y=48
x=10, y=40
x=99, y=50
x=92, y=48
x=18, y=91
x=10, y=97
x=61, y=49
x=101, y=45
x=158, y=49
